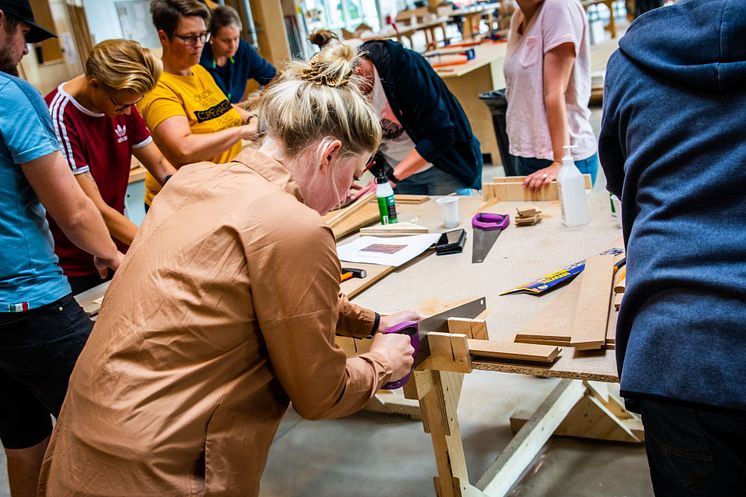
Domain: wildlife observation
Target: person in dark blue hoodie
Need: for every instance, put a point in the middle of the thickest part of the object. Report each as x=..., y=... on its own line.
x=673, y=147
x=427, y=138
x=230, y=60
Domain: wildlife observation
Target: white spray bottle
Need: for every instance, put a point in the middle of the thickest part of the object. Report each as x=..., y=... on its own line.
x=571, y=186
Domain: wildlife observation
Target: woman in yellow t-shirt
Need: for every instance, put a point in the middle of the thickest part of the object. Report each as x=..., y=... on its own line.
x=190, y=118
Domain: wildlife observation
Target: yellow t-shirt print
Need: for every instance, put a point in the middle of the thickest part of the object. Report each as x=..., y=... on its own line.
x=200, y=100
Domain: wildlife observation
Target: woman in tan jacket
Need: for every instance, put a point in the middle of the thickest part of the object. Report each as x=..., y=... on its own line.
x=225, y=309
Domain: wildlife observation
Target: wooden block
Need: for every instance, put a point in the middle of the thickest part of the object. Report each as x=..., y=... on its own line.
x=528, y=221
x=479, y=329
x=460, y=325
x=620, y=285
x=618, y=300
x=472, y=328
x=347, y=344
x=513, y=351
x=592, y=309
x=449, y=352
x=511, y=188
x=362, y=345
x=527, y=212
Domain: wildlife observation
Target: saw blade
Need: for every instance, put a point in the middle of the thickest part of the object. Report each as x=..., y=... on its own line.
x=482, y=244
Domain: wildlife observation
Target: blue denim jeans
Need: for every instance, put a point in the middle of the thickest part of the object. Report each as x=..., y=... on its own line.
x=527, y=165
x=694, y=450
x=432, y=182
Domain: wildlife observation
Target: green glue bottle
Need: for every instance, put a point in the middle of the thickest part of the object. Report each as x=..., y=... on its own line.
x=386, y=204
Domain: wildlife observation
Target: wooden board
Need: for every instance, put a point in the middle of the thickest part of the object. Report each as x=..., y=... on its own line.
x=513, y=351
x=353, y=217
x=407, y=199
x=553, y=325
x=611, y=328
x=397, y=229
x=592, y=310
x=354, y=286
x=511, y=188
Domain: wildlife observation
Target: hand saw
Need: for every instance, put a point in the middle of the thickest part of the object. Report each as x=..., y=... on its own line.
x=418, y=330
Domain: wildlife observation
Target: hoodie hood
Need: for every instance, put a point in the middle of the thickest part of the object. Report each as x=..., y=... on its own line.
x=697, y=43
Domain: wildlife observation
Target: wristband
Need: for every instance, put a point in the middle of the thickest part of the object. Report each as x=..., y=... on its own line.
x=376, y=323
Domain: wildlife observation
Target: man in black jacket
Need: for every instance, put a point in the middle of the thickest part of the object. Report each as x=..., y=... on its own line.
x=426, y=135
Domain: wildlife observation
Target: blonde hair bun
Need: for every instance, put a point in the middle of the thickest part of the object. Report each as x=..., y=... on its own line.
x=333, y=66
x=322, y=37
x=318, y=99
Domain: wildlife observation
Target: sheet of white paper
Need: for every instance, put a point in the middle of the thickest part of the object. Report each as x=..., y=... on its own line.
x=388, y=251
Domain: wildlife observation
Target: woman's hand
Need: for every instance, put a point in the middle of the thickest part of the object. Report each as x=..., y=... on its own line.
x=356, y=191
x=539, y=179
x=398, y=317
x=397, y=351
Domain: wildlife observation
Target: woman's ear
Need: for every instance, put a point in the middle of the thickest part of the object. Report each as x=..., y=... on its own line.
x=330, y=152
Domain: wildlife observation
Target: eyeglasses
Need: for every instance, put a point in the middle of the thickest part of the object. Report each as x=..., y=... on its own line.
x=192, y=40
x=120, y=108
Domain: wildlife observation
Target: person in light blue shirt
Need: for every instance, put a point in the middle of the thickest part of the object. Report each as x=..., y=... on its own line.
x=42, y=328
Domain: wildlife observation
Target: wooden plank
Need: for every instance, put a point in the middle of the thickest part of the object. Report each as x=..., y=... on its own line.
x=449, y=352
x=407, y=199
x=611, y=328
x=513, y=351
x=397, y=229
x=355, y=286
x=553, y=324
x=590, y=418
x=353, y=217
x=592, y=310
x=507, y=469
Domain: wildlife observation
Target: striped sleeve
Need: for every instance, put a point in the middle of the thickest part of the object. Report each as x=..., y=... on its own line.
x=67, y=134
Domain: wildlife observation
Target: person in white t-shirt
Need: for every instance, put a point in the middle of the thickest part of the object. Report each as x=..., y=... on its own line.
x=548, y=83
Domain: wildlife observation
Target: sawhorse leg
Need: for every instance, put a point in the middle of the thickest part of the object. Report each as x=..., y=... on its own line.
x=574, y=407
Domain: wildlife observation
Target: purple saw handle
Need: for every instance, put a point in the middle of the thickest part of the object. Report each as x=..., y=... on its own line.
x=488, y=222
x=412, y=329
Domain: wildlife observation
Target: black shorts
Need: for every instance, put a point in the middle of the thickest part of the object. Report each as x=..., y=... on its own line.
x=38, y=350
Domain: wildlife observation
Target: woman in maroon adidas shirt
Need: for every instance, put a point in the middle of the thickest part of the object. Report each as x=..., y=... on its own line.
x=99, y=130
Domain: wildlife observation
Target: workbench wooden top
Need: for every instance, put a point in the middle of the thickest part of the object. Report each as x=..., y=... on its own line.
x=520, y=255
x=485, y=53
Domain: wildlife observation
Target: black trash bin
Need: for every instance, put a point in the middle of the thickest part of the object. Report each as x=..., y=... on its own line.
x=498, y=106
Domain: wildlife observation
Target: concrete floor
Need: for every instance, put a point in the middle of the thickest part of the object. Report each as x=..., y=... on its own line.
x=370, y=454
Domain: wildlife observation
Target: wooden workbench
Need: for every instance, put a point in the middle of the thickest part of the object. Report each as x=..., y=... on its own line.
x=579, y=405
x=467, y=81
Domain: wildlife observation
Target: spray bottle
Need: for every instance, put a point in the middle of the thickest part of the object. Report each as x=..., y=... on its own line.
x=571, y=186
x=386, y=204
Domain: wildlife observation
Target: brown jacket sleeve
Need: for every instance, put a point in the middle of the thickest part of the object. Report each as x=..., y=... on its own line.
x=354, y=321
x=294, y=278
